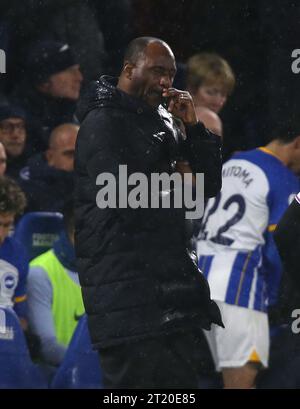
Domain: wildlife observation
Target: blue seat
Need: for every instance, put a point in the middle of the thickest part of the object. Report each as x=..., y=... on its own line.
x=37, y=231
x=16, y=368
x=80, y=367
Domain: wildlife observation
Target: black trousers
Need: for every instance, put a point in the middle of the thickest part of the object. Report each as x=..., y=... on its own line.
x=284, y=365
x=169, y=361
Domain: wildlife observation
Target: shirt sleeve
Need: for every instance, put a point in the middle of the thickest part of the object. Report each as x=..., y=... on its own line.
x=203, y=151
x=278, y=202
x=40, y=315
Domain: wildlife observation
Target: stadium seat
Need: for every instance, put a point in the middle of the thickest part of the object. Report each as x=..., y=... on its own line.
x=17, y=371
x=80, y=367
x=38, y=230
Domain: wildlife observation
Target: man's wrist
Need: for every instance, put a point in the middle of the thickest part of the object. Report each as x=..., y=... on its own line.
x=193, y=123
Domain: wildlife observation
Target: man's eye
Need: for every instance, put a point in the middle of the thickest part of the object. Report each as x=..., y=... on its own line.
x=158, y=71
x=69, y=154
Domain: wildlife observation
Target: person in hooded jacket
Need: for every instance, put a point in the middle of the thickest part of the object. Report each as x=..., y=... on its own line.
x=48, y=178
x=49, y=90
x=144, y=295
x=13, y=136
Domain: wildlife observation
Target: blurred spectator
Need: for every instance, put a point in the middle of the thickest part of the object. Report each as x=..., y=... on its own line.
x=13, y=257
x=3, y=159
x=54, y=294
x=210, y=81
x=75, y=22
x=48, y=178
x=13, y=136
x=210, y=119
x=51, y=89
x=70, y=21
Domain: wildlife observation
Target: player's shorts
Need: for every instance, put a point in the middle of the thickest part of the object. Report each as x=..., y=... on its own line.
x=244, y=338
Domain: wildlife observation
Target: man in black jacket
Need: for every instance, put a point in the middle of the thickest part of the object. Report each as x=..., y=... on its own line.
x=144, y=296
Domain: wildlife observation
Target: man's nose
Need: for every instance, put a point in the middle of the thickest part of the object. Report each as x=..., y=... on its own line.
x=78, y=75
x=165, y=81
x=16, y=133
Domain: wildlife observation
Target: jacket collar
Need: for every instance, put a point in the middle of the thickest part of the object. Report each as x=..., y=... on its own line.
x=104, y=93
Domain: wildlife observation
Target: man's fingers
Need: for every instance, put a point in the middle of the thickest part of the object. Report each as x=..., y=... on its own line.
x=179, y=100
x=171, y=92
x=171, y=105
x=184, y=97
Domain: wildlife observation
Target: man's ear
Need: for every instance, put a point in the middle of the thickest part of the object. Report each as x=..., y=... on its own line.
x=127, y=69
x=48, y=155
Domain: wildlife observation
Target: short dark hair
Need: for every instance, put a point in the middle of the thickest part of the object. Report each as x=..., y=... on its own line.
x=136, y=48
x=12, y=198
x=285, y=128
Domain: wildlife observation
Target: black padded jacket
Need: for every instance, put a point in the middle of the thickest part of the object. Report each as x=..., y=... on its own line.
x=138, y=279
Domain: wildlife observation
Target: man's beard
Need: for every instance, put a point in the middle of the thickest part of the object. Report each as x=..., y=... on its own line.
x=154, y=98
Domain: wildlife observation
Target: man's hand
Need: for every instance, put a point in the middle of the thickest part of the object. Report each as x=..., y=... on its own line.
x=181, y=105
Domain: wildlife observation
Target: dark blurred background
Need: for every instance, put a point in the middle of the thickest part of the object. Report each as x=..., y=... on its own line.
x=256, y=37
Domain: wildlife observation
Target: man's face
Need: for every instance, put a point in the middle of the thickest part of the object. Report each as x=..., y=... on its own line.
x=6, y=224
x=65, y=84
x=13, y=135
x=61, y=154
x=211, y=96
x=152, y=73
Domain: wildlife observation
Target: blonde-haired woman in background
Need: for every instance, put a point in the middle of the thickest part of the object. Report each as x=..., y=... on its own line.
x=210, y=80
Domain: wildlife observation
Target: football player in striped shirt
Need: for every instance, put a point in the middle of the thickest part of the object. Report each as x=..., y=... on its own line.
x=238, y=256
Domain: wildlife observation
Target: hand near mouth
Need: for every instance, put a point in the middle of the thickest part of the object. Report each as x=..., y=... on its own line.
x=181, y=105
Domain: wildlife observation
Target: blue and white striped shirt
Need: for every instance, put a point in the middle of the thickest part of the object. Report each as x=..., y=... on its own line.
x=235, y=246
